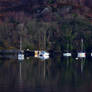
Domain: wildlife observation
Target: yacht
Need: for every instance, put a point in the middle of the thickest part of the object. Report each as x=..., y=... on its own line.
x=81, y=54
x=42, y=55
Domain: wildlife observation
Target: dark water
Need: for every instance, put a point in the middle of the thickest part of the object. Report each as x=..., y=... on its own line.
x=53, y=75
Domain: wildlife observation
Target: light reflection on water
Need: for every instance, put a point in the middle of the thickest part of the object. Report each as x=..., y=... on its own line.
x=52, y=75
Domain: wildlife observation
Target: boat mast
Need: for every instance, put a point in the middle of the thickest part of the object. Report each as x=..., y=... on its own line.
x=67, y=47
x=20, y=43
x=44, y=40
x=82, y=43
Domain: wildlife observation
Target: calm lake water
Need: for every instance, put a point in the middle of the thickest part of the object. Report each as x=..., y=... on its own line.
x=53, y=75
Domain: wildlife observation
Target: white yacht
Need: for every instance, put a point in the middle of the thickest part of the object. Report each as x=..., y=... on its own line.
x=42, y=55
x=20, y=52
x=91, y=54
x=67, y=54
x=81, y=54
x=20, y=55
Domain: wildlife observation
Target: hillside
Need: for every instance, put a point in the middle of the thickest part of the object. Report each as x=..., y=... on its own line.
x=45, y=26
x=33, y=6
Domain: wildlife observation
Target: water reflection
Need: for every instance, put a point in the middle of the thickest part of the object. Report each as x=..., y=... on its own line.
x=51, y=75
x=20, y=75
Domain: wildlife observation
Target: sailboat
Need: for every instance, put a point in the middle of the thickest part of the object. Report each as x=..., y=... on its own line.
x=81, y=54
x=42, y=54
x=67, y=54
x=20, y=52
